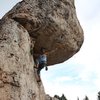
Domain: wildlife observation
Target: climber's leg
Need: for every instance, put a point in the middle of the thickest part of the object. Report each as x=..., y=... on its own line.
x=36, y=64
x=40, y=67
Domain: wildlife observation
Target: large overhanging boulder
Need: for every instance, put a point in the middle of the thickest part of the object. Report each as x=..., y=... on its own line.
x=52, y=24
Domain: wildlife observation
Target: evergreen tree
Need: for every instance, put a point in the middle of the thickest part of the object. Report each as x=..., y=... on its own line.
x=86, y=98
x=77, y=98
x=63, y=97
x=99, y=95
x=56, y=96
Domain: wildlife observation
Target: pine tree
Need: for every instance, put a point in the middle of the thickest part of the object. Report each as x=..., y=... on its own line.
x=77, y=98
x=99, y=95
x=63, y=97
x=56, y=96
x=86, y=98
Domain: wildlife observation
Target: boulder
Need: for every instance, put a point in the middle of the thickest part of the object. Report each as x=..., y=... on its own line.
x=52, y=24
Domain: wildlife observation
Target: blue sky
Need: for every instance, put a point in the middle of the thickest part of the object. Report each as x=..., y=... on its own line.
x=80, y=75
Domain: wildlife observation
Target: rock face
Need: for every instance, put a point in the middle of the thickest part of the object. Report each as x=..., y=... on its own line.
x=52, y=24
x=30, y=25
x=17, y=78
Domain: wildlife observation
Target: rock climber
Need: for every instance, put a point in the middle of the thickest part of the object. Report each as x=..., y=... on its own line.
x=41, y=62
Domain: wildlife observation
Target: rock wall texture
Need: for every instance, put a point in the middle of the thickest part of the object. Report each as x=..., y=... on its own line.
x=17, y=78
x=30, y=25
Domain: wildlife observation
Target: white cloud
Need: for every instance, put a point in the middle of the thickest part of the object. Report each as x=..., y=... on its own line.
x=63, y=79
x=71, y=91
x=87, y=9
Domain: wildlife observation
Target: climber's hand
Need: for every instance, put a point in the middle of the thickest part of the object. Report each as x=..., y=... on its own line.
x=46, y=68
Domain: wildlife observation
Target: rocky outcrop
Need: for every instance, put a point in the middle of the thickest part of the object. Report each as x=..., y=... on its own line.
x=52, y=24
x=17, y=76
x=30, y=25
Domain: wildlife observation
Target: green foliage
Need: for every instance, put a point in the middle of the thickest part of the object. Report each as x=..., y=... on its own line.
x=86, y=98
x=99, y=95
x=63, y=97
x=77, y=98
x=60, y=98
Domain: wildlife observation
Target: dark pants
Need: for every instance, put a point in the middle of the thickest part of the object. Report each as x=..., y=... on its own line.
x=40, y=67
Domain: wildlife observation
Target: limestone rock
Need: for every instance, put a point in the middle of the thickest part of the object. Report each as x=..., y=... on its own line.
x=17, y=78
x=30, y=25
x=52, y=24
